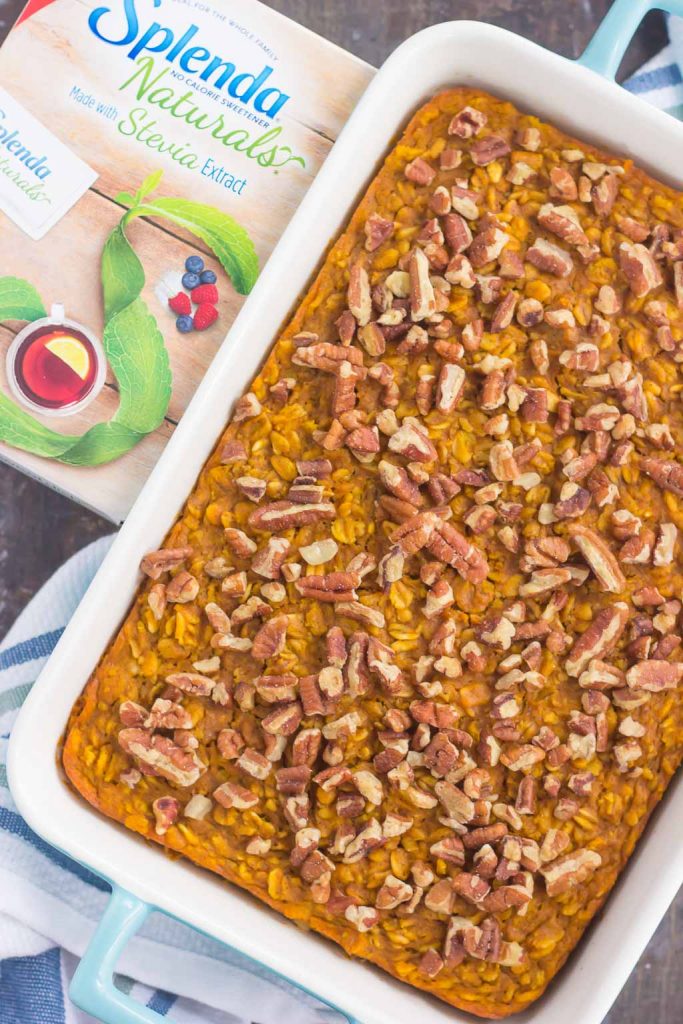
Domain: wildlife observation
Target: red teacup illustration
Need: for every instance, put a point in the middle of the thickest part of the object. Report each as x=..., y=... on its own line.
x=55, y=366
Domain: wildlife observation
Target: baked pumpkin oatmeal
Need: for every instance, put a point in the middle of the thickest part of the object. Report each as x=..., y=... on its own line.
x=406, y=667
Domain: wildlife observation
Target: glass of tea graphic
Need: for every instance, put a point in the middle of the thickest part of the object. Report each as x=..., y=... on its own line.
x=55, y=366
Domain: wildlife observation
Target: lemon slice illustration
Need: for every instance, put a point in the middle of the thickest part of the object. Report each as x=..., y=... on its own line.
x=72, y=352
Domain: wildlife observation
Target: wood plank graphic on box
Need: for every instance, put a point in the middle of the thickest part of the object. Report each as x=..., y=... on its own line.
x=153, y=134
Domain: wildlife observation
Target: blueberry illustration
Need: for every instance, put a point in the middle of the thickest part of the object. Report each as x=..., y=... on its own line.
x=190, y=280
x=207, y=277
x=184, y=324
x=195, y=264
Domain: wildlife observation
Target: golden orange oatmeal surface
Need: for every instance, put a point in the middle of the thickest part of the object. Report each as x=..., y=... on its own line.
x=406, y=667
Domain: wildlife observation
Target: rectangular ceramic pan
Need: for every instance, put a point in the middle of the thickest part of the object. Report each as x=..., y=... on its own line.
x=581, y=99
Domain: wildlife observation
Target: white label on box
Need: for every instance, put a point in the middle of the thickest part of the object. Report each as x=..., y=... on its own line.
x=40, y=178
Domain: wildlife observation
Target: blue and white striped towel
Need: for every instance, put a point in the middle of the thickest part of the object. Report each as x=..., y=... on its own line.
x=660, y=81
x=49, y=906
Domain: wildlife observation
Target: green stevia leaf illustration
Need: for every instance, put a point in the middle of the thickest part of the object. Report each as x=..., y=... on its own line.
x=102, y=443
x=138, y=357
x=19, y=300
x=122, y=273
x=20, y=430
x=148, y=185
x=224, y=236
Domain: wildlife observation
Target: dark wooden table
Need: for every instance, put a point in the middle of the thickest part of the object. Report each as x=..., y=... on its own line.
x=39, y=529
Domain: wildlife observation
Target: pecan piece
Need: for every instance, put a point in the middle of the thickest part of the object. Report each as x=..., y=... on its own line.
x=415, y=532
x=193, y=683
x=230, y=794
x=458, y=237
x=467, y=122
x=599, y=557
x=327, y=357
x=392, y=893
x=412, y=440
x=396, y=480
x=574, y=501
x=653, y=676
x=377, y=230
x=270, y=639
x=639, y=268
x=284, y=721
x=502, y=318
x=164, y=714
x=268, y=561
x=294, y=780
x=363, y=441
x=534, y=408
x=550, y=258
x=570, y=870
x=599, y=639
x=487, y=245
x=155, y=563
x=422, y=297
x=247, y=408
x=449, y=387
x=165, y=810
x=161, y=756
x=448, y=545
x=502, y=461
x=562, y=185
x=419, y=171
x=333, y=586
x=604, y=194
x=668, y=475
x=563, y=222
x=358, y=294
x=484, y=151
x=283, y=515
x=182, y=589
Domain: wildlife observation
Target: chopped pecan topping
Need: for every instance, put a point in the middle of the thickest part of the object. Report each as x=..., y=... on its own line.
x=568, y=871
x=419, y=171
x=599, y=557
x=283, y=515
x=377, y=231
x=270, y=639
x=599, y=639
x=156, y=563
x=161, y=756
x=230, y=794
x=668, y=475
x=467, y=123
x=247, y=408
x=639, y=268
x=550, y=258
x=412, y=440
x=654, y=676
x=449, y=387
x=485, y=150
x=182, y=589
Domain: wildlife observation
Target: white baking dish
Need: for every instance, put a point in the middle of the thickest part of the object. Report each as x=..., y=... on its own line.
x=578, y=100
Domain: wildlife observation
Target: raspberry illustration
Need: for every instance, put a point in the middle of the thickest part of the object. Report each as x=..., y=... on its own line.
x=205, y=293
x=180, y=304
x=205, y=315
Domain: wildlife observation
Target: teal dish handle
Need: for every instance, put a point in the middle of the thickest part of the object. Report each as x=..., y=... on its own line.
x=92, y=987
x=606, y=49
